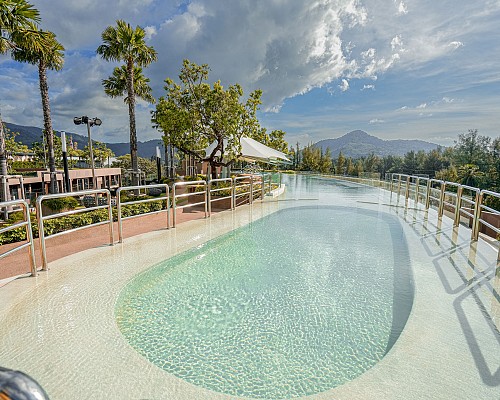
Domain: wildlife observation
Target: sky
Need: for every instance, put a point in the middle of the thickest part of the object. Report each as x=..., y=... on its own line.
x=397, y=69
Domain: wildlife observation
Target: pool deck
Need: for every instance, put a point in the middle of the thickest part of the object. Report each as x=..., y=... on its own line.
x=60, y=327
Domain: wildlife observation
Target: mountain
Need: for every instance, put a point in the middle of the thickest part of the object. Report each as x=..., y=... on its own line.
x=358, y=143
x=30, y=134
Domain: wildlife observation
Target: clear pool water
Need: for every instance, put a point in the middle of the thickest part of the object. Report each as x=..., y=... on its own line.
x=296, y=303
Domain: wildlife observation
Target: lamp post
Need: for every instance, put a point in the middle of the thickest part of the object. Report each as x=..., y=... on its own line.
x=89, y=122
x=65, y=162
x=158, y=163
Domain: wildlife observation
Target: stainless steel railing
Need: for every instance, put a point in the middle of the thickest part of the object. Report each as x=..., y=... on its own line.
x=243, y=186
x=247, y=184
x=120, y=203
x=462, y=201
x=188, y=185
x=211, y=190
x=26, y=222
x=480, y=209
x=41, y=218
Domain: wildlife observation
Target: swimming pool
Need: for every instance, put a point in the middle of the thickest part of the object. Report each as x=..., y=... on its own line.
x=61, y=327
x=294, y=304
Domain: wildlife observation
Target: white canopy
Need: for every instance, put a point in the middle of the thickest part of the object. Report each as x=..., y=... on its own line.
x=251, y=150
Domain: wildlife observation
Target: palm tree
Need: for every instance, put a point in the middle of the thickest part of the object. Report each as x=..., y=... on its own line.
x=49, y=56
x=116, y=84
x=15, y=16
x=123, y=43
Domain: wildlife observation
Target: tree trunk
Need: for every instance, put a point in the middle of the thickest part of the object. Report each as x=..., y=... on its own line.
x=47, y=123
x=131, y=113
x=4, y=192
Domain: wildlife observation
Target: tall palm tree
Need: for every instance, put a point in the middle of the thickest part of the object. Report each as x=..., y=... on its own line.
x=123, y=43
x=49, y=56
x=15, y=17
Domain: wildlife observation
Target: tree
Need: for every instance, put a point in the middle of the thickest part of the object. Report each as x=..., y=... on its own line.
x=123, y=43
x=340, y=167
x=145, y=165
x=325, y=162
x=350, y=169
x=194, y=114
x=471, y=148
x=277, y=141
x=100, y=151
x=311, y=157
x=116, y=85
x=49, y=56
x=470, y=175
x=15, y=18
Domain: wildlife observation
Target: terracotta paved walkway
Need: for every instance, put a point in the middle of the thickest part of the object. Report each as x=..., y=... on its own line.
x=61, y=246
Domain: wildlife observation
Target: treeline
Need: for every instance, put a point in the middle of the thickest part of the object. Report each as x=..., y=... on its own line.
x=474, y=160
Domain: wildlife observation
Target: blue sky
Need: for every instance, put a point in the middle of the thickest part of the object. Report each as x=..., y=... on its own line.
x=398, y=69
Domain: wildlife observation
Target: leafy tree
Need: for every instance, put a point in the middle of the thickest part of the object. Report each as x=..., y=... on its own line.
x=145, y=165
x=359, y=167
x=277, y=141
x=194, y=114
x=340, y=167
x=350, y=169
x=123, y=43
x=100, y=151
x=449, y=174
x=434, y=161
x=11, y=146
x=470, y=175
x=325, y=162
x=471, y=148
x=48, y=56
x=410, y=163
x=311, y=157
x=371, y=163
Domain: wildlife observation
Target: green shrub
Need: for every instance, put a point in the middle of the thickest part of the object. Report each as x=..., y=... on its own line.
x=63, y=203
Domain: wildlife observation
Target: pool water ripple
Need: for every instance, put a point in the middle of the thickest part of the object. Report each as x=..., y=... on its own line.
x=295, y=303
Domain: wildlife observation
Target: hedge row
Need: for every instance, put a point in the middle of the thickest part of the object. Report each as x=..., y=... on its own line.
x=60, y=224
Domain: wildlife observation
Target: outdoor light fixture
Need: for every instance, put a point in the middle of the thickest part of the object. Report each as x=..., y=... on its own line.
x=89, y=122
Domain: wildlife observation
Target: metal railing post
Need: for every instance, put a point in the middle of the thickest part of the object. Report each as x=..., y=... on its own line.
x=29, y=233
x=477, y=216
x=41, y=233
x=458, y=206
x=251, y=190
x=428, y=194
x=441, y=200
x=416, y=191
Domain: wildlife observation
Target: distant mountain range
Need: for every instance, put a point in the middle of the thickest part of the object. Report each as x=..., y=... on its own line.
x=358, y=143
x=354, y=144
x=30, y=134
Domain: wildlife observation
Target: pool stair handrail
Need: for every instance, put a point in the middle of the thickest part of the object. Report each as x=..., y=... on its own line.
x=120, y=203
x=26, y=222
x=41, y=218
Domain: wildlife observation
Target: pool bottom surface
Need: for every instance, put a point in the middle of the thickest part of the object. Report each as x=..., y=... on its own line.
x=296, y=303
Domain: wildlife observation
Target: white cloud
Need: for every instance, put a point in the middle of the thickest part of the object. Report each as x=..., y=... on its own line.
x=344, y=85
x=455, y=44
x=376, y=121
x=284, y=48
x=402, y=8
